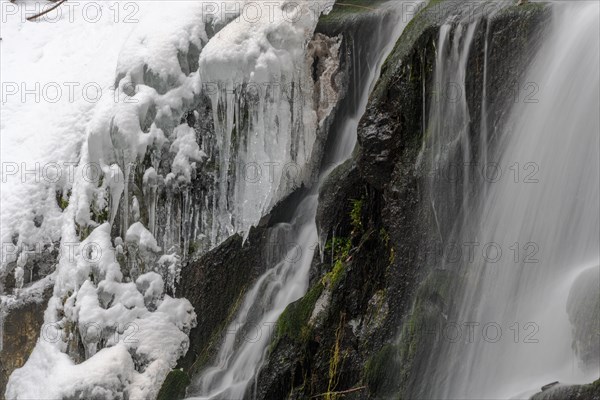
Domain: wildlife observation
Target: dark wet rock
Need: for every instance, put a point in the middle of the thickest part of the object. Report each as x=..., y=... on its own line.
x=549, y=385
x=21, y=324
x=217, y=281
x=334, y=205
x=38, y=220
x=40, y=261
x=572, y=392
x=174, y=386
x=323, y=340
x=388, y=281
x=215, y=284
x=583, y=307
x=393, y=123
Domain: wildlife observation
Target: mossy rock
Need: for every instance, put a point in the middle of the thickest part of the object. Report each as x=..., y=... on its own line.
x=293, y=322
x=346, y=9
x=573, y=392
x=174, y=386
x=381, y=369
x=583, y=307
x=340, y=247
x=431, y=302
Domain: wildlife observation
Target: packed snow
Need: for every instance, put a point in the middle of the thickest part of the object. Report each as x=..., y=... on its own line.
x=114, y=80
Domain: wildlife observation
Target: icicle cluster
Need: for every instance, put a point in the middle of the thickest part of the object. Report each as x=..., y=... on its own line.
x=163, y=173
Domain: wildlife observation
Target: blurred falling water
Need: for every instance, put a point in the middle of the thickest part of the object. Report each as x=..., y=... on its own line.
x=545, y=217
x=242, y=352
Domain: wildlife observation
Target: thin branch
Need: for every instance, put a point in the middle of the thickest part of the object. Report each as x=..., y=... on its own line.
x=45, y=12
x=356, y=389
x=354, y=5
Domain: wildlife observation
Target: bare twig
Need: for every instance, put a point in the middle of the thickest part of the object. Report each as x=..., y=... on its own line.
x=354, y=5
x=46, y=12
x=356, y=389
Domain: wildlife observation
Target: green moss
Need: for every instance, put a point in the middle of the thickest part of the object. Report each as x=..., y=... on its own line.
x=356, y=215
x=63, y=204
x=335, y=362
x=100, y=216
x=336, y=273
x=293, y=322
x=194, y=246
x=82, y=231
x=590, y=391
x=216, y=338
x=427, y=18
x=439, y=282
x=349, y=8
x=173, y=388
x=427, y=316
x=380, y=371
x=340, y=248
x=63, y=201
x=519, y=9
x=410, y=336
x=384, y=236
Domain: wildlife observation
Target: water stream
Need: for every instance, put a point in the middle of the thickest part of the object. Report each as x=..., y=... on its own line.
x=241, y=354
x=540, y=222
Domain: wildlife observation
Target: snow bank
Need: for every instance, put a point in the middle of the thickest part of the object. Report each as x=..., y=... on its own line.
x=131, y=332
x=52, y=75
x=110, y=329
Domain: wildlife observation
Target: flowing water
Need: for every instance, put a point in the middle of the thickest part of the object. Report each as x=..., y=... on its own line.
x=243, y=350
x=543, y=215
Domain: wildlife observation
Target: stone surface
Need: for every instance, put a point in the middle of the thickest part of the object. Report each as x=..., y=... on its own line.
x=215, y=283
x=389, y=283
x=20, y=330
x=574, y=392
x=583, y=307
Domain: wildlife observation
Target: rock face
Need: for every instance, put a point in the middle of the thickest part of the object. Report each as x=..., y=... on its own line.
x=583, y=307
x=214, y=284
x=379, y=279
x=574, y=392
x=39, y=263
x=20, y=328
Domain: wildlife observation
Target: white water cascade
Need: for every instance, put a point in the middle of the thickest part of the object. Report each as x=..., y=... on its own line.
x=544, y=215
x=239, y=359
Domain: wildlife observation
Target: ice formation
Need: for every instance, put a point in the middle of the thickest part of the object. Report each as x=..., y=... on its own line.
x=152, y=181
